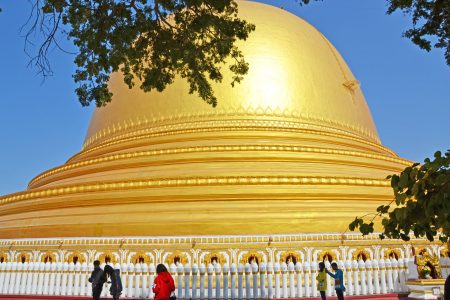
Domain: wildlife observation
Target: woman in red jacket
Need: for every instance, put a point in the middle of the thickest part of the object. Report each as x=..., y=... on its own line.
x=163, y=285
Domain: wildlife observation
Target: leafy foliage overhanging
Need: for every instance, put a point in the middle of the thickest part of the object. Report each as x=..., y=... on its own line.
x=422, y=203
x=152, y=41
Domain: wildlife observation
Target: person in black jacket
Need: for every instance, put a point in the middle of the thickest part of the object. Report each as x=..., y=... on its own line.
x=98, y=278
x=447, y=288
x=116, y=282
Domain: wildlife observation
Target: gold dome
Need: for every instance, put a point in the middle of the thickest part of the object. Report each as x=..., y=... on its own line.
x=291, y=149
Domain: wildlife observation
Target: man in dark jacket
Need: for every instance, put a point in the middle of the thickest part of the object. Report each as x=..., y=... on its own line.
x=98, y=278
x=116, y=282
x=447, y=288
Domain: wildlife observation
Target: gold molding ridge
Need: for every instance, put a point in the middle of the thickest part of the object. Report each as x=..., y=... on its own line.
x=142, y=135
x=217, y=148
x=194, y=181
x=232, y=112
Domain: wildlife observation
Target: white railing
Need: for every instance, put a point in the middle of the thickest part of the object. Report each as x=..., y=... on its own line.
x=209, y=282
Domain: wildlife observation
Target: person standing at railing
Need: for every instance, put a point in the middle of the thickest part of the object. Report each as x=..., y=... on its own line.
x=447, y=288
x=116, y=283
x=98, y=279
x=322, y=281
x=163, y=285
x=338, y=280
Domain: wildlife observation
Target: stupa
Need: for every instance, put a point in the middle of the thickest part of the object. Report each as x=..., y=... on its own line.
x=279, y=169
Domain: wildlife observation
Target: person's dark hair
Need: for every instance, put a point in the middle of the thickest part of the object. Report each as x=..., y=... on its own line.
x=334, y=266
x=96, y=263
x=321, y=266
x=160, y=268
x=109, y=270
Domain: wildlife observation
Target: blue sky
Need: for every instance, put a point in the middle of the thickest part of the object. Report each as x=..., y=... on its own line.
x=407, y=89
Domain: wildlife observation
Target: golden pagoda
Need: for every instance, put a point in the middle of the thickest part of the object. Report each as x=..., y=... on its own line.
x=288, y=159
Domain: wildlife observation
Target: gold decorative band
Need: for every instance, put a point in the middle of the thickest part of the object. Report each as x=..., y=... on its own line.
x=196, y=181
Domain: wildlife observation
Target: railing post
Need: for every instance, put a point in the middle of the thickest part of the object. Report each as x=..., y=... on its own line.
x=12, y=278
x=194, y=281
x=124, y=277
x=130, y=281
x=30, y=276
x=58, y=277
x=402, y=273
x=2, y=276
x=362, y=270
x=40, y=284
x=383, y=276
x=187, y=273
x=248, y=287
x=226, y=275
x=369, y=272
x=376, y=277
x=270, y=280
x=51, y=287
x=306, y=273
x=395, y=275
x=202, y=281
x=262, y=280
x=356, y=285
x=314, y=268
x=291, y=270
x=298, y=269
x=83, y=279
x=218, y=270
x=390, y=283
x=7, y=278
x=284, y=281
x=210, y=281
x=25, y=277
x=349, y=272
x=254, y=266
x=151, y=279
x=330, y=289
x=137, y=280
x=277, y=280
x=18, y=278
x=70, y=279
x=145, y=292
x=240, y=281
x=233, y=271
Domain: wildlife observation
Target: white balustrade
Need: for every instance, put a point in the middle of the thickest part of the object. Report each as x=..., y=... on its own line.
x=252, y=281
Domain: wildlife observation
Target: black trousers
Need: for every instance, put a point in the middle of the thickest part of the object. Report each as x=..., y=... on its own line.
x=323, y=295
x=96, y=293
x=340, y=294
